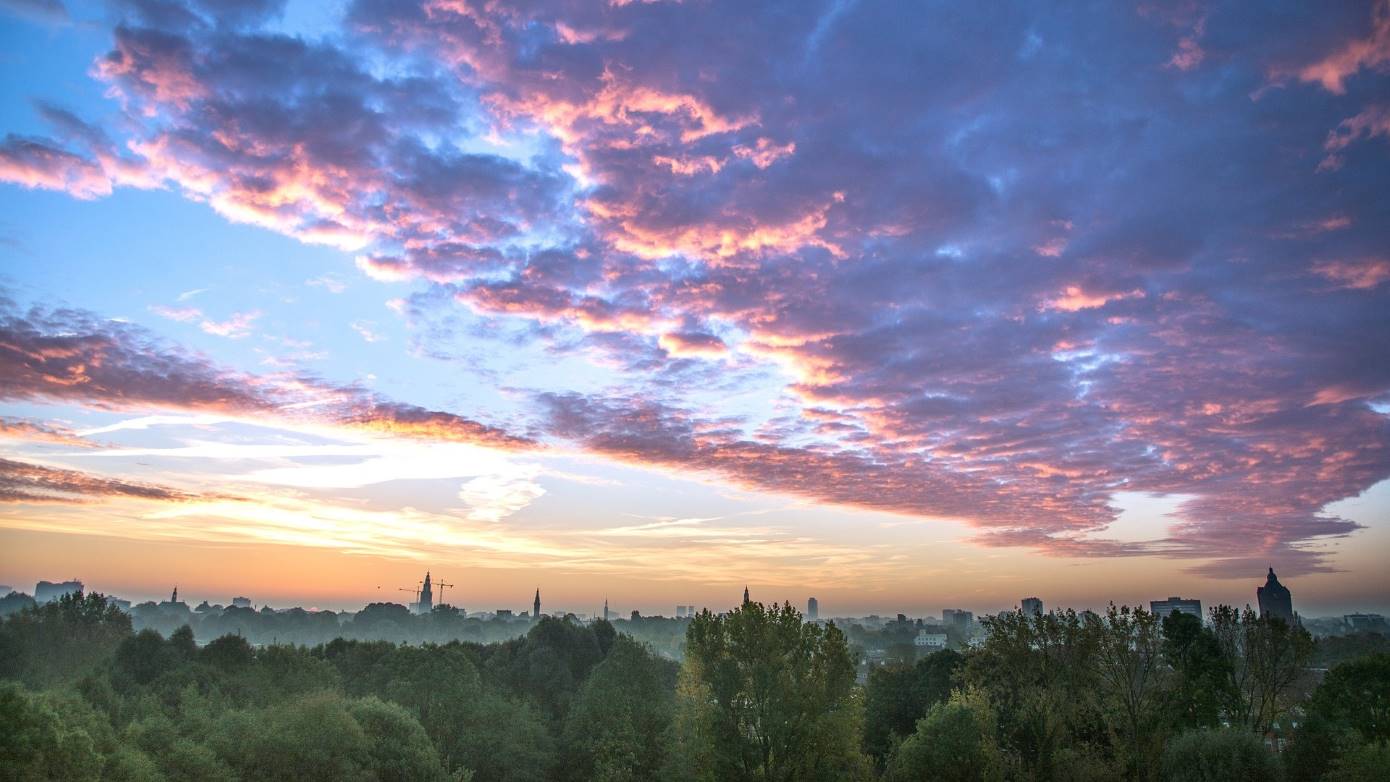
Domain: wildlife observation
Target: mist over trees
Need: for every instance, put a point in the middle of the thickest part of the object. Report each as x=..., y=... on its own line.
x=759, y=695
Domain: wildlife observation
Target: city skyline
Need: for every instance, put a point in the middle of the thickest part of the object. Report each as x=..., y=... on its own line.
x=1162, y=607
x=900, y=308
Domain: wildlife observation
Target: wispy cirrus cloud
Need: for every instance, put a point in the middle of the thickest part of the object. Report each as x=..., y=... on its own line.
x=35, y=431
x=26, y=482
x=68, y=355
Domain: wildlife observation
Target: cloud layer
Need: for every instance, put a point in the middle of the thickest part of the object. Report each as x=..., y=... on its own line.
x=987, y=265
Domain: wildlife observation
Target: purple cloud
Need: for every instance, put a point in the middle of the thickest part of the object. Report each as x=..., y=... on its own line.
x=1003, y=264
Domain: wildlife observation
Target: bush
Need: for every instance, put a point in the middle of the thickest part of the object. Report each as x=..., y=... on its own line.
x=1218, y=755
x=955, y=741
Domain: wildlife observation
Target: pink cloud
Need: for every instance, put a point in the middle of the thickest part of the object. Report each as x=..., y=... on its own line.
x=1074, y=298
x=1372, y=51
x=1357, y=275
x=238, y=326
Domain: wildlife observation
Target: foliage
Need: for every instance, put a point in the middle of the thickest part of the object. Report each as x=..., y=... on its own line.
x=896, y=697
x=1366, y=763
x=1266, y=659
x=60, y=640
x=1349, y=711
x=954, y=742
x=1201, y=672
x=35, y=743
x=1356, y=696
x=761, y=695
x=1218, y=755
x=617, y=728
x=770, y=697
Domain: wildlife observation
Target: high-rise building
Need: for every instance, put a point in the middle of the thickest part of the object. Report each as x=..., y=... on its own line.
x=45, y=591
x=1274, y=599
x=1175, y=605
x=536, y=613
x=957, y=617
x=1032, y=605
x=812, y=609
x=426, y=603
x=1366, y=623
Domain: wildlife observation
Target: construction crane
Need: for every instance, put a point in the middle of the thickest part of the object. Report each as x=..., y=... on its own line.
x=416, y=592
x=441, y=586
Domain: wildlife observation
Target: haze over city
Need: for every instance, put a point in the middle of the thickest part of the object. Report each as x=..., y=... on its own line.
x=903, y=307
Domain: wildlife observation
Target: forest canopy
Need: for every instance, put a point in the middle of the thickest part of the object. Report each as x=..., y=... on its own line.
x=760, y=694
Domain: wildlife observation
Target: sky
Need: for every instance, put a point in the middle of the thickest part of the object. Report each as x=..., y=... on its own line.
x=904, y=306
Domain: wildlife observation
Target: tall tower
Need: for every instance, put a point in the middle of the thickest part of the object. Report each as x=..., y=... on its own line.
x=745, y=594
x=426, y=596
x=812, y=609
x=605, y=609
x=536, y=606
x=175, y=597
x=1275, y=599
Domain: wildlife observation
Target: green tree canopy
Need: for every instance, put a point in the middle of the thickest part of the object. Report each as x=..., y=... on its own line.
x=772, y=698
x=955, y=742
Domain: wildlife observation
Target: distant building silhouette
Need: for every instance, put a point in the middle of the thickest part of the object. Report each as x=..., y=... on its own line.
x=1175, y=605
x=241, y=602
x=426, y=603
x=1032, y=605
x=46, y=591
x=932, y=642
x=504, y=613
x=745, y=595
x=1365, y=623
x=812, y=609
x=1275, y=599
x=605, y=609
x=536, y=612
x=957, y=617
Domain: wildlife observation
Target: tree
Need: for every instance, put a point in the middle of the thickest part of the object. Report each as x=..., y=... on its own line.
x=898, y=696
x=1039, y=672
x=141, y=658
x=616, y=729
x=62, y=639
x=955, y=742
x=1218, y=755
x=474, y=728
x=1130, y=674
x=398, y=749
x=312, y=738
x=35, y=744
x=1201, y=671
x=771, y=698
x=1348, y=711
x=1366, y=763
x=1265, y=658
x=1356, y=696
x=228, y=653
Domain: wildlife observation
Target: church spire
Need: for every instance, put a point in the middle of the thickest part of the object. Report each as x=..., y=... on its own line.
x=745, y=594
x=536, y=613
